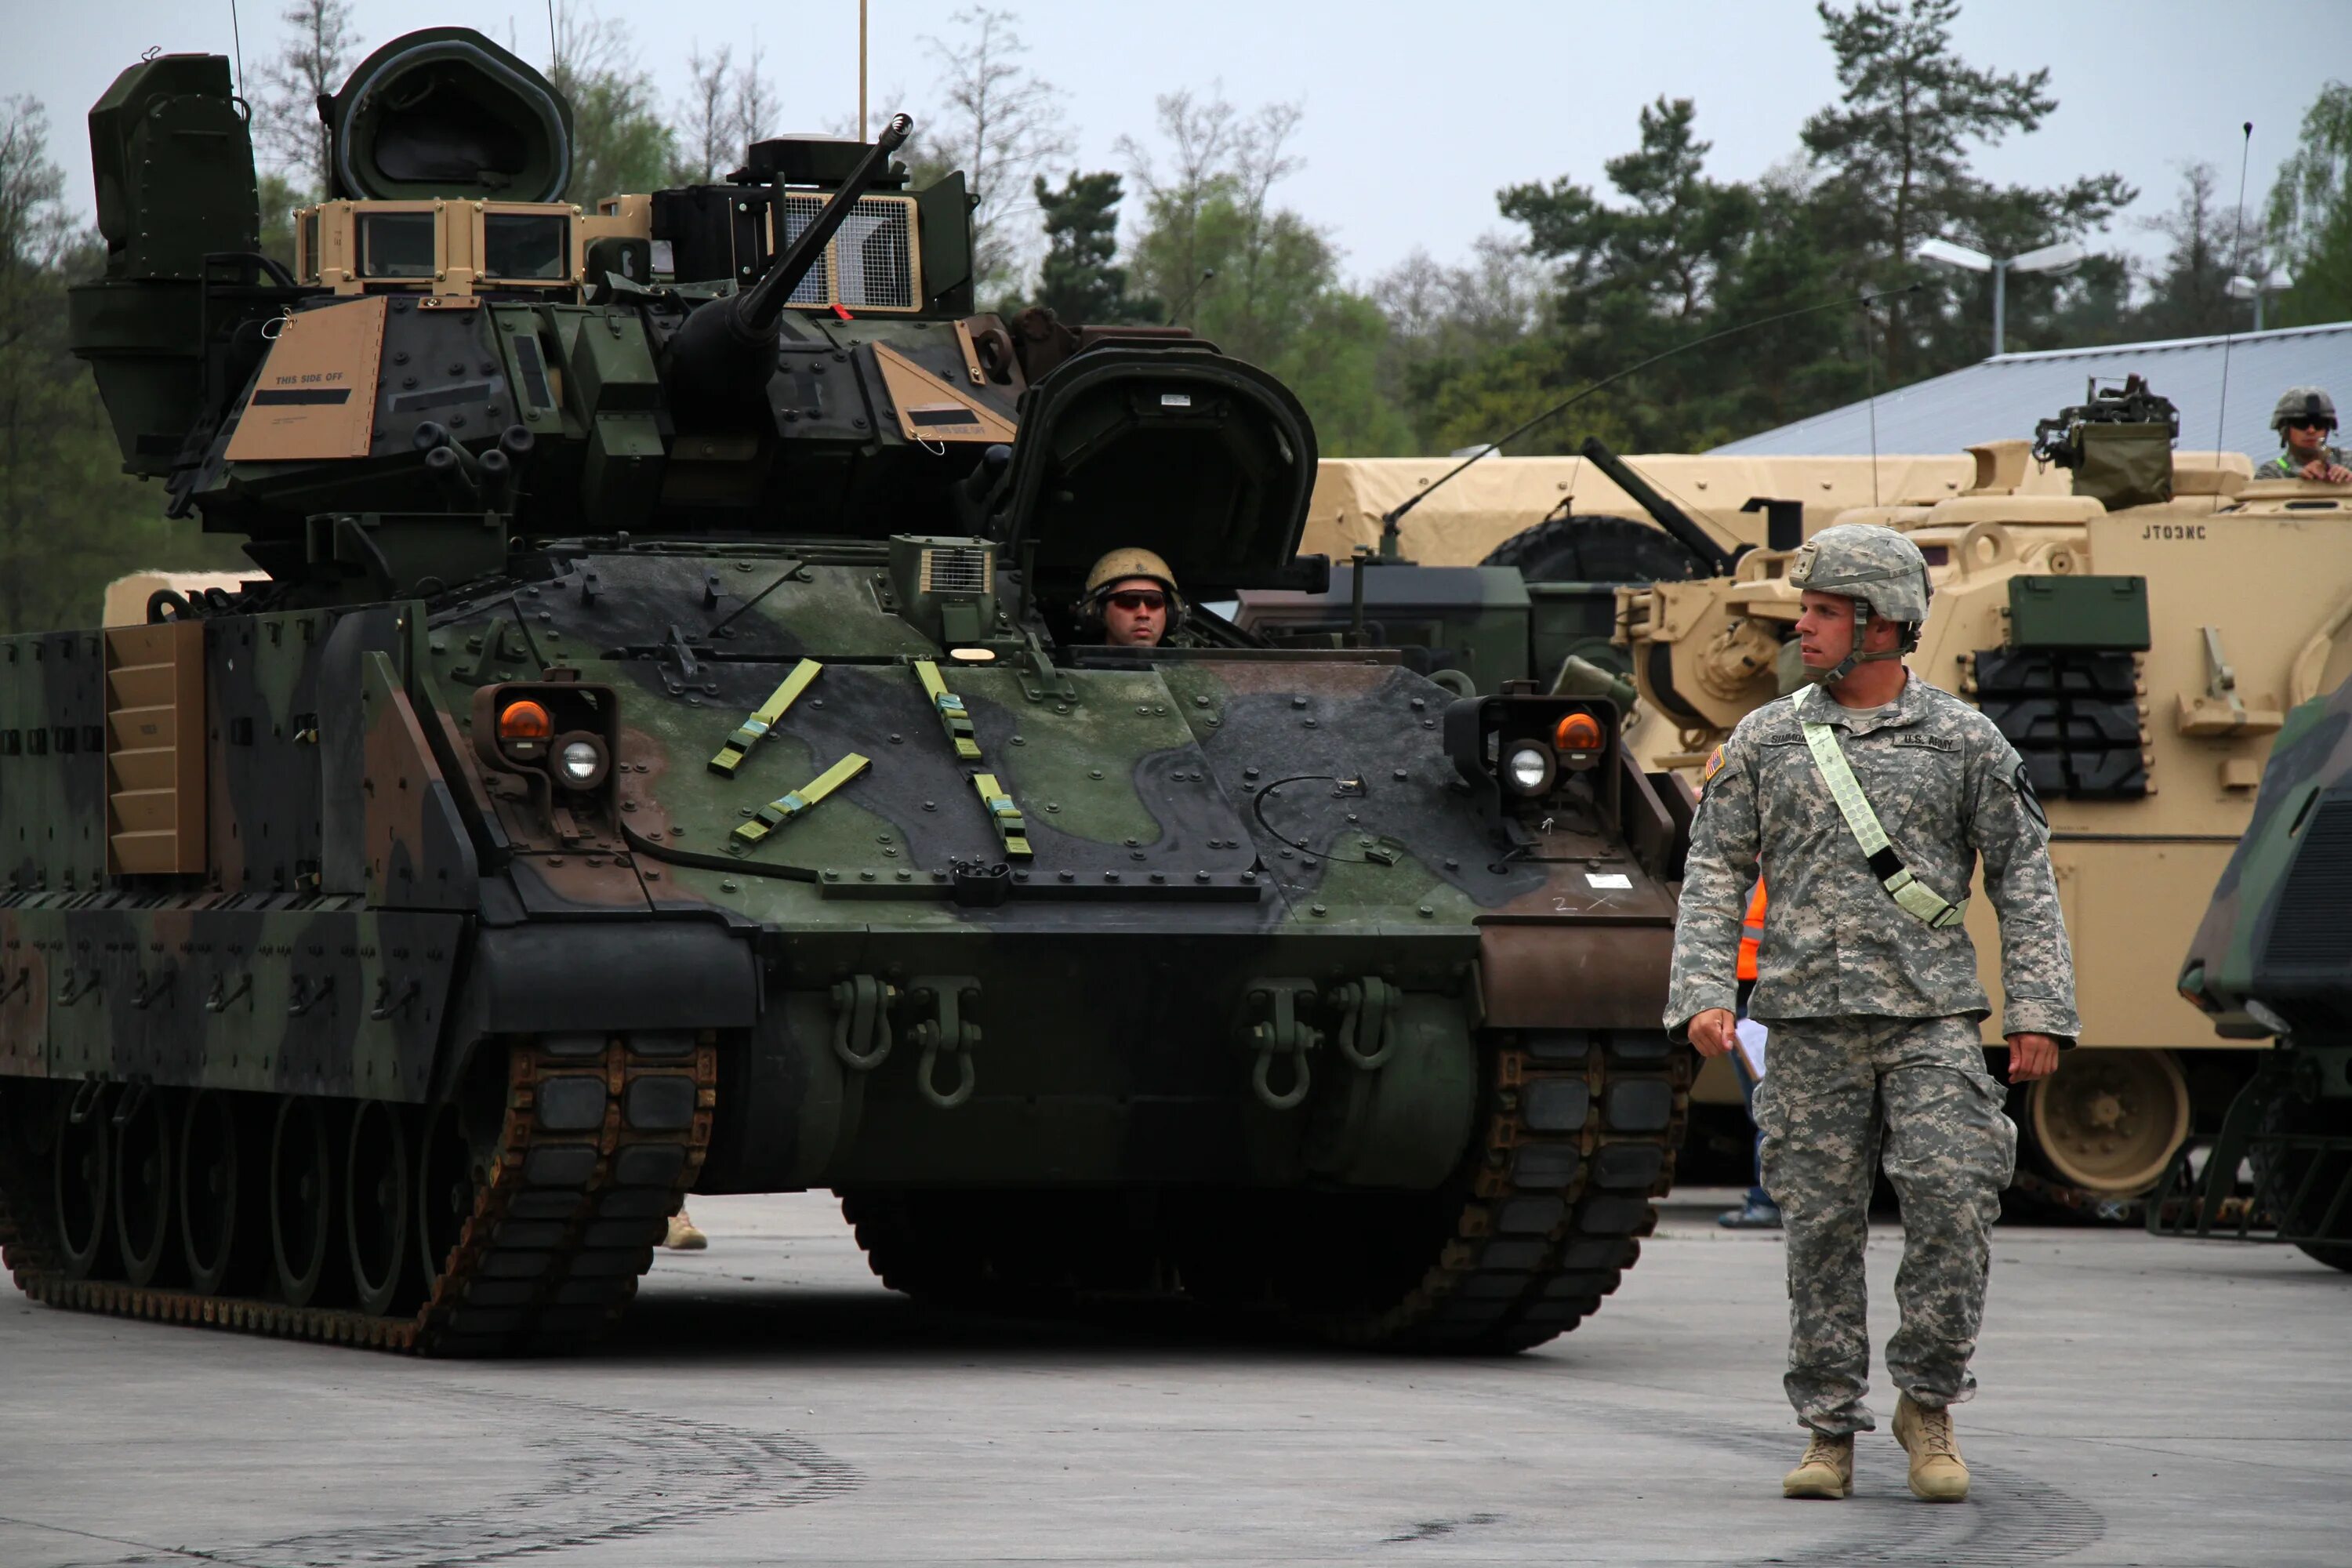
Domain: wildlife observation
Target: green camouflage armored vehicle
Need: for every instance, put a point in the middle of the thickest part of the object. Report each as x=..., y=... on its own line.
x=2273, y=958
x=657, y=753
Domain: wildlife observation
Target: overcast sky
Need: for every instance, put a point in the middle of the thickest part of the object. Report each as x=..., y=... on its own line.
x=1415, y=113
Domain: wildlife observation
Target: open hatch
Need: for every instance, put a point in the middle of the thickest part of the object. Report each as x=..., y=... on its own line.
x=1202, y=458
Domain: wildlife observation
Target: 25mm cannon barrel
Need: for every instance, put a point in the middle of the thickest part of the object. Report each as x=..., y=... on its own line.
x=725, y=351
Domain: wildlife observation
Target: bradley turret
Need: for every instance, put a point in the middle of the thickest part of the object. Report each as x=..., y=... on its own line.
x=458, y=336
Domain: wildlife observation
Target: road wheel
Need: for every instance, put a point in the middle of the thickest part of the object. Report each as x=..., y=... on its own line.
x=211, y=1194
x=376, y=1206
x=82, y=1207
x=143, y=1170
x=2109, y=1120
x=302, y=1207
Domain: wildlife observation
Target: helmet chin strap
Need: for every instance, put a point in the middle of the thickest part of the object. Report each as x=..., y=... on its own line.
x=1855, y=655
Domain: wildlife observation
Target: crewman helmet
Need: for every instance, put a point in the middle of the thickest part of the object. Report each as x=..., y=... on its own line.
x=1124, y=565
x=2301, y=404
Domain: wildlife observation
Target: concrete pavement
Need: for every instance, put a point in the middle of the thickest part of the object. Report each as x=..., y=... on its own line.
x=2146, y=1403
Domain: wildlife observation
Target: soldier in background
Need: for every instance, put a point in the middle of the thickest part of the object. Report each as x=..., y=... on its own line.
x=1868, y=981
x=1131, y=595
x=685, y=1236
x=2305, y=418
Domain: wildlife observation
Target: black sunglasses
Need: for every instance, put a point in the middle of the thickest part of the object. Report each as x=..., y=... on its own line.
x=2311, y=424
x=1138, y=599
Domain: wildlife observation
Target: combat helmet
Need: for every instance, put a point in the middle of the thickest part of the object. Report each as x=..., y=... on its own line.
x=2303, y=402
x=1118, y=566
x=1880, y=570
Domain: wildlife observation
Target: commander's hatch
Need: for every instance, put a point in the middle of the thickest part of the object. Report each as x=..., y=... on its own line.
x=1204, y=459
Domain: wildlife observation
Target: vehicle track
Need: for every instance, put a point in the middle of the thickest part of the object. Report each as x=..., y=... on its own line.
x=598, y=1148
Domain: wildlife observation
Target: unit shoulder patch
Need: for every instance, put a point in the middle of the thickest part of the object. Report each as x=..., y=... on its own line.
x=2022, y=782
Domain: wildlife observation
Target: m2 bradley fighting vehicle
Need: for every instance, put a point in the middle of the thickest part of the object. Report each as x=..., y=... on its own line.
x=663, y=756
x=2138, y=622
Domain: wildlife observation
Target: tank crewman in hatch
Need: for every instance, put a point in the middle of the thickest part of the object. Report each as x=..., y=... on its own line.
x=1869, y=798
x=2305, y=418
x=1131, y=595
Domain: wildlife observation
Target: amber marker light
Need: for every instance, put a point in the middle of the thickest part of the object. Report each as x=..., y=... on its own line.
x=524, y=730
x=525, y=721
x=1577, y=732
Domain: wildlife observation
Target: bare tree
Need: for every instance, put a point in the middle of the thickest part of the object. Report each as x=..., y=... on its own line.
x=728, y=106
x=754, y=105
x=33, y=226
x=705, y=122
x=2212, y=242
x=312, y=65
x=1211, y=208
x=1495, y=297
x=619, y=142
x=1000, y=123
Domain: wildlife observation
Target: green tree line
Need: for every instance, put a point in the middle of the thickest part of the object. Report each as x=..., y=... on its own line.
x=1190, y=226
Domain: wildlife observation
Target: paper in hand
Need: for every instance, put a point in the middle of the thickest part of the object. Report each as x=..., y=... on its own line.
x=1750, y=1038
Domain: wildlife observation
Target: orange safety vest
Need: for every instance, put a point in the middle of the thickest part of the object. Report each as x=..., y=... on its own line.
x=1751, y=931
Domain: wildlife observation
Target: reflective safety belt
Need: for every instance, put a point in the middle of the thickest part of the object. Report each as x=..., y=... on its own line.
x=1916, y=898
x=1011, y=827
x=755, y=728
x=784, y=808
x=951, y=709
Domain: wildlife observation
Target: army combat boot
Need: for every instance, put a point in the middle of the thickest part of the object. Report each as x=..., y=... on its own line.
x=1938, y=1472
x=1826, y=1471
x=685, y=1236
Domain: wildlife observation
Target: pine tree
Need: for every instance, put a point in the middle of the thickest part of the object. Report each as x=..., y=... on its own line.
x=1078, y=280
x=1893, y=154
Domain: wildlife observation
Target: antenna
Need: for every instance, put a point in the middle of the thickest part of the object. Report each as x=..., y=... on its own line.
x=2237, y=239
x=1870, y=384
x=237, y=35
x=1390, y=520
x=1178, y=308
x=554, y=50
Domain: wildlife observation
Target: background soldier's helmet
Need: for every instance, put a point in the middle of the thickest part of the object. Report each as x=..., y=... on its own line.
x=1120, y=566
x=1868, y=562
x=2304, y=402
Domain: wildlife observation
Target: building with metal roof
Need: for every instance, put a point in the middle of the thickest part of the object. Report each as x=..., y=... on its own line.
x=2004, y=395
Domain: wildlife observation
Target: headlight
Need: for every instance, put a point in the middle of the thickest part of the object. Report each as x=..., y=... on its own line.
x=581, y=761
x=1528, y=770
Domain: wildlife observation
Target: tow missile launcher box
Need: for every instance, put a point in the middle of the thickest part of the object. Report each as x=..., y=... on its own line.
x=660, y=749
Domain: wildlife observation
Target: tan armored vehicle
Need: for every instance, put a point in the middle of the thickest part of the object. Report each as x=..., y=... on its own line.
x=2139, y=634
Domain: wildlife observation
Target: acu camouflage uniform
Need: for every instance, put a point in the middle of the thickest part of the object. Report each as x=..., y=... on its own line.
x=1874, y=1016
x=2289, y=464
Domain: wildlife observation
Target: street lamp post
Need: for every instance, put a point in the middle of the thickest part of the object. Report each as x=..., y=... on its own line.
x=2242, y=288
x=2063, y=256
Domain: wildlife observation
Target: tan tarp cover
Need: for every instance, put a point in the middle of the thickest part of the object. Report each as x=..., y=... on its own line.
x=1495, y=497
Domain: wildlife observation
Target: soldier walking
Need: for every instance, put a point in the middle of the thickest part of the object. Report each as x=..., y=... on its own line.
x=1869, y=798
